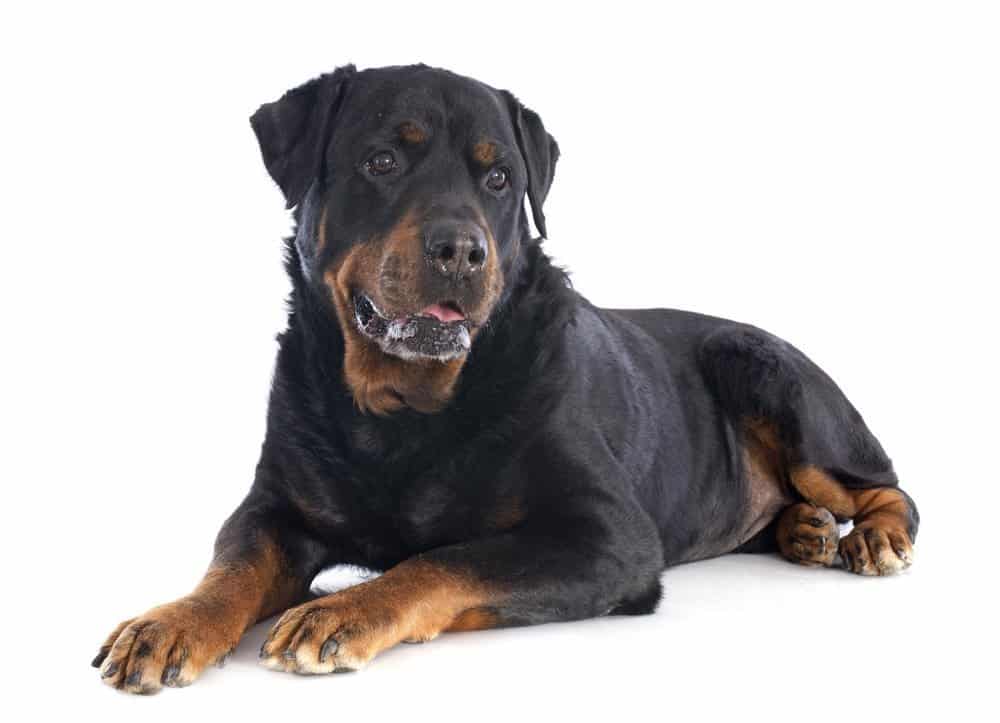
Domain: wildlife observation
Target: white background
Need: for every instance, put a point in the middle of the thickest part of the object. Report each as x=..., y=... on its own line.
x=828, y=171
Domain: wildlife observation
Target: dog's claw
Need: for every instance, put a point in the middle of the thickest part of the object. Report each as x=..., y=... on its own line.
x=170, y=674
x=110, y=670
x=224, y=658
x=328, y=649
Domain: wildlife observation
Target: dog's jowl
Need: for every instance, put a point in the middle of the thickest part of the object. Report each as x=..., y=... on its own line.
x=447, y=409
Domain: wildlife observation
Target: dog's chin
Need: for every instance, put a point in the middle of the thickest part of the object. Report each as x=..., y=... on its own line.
x=437, y=332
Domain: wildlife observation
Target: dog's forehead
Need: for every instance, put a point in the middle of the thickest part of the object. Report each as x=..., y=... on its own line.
x=439, y=99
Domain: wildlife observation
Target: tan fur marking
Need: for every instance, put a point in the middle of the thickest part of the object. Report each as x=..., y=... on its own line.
x=492, y=271
x=822, y=490
x=485, y=153
x=412, y=133
x=173, y=643
x=256, y=588
x=882, y=506
x=380, y=383
x=764, y=465
x=321, y=232
x=413, y=602
x=474, y=619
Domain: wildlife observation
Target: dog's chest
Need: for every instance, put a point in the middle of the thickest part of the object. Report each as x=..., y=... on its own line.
x=425, y=491
x=436, y=508
x=455, y=504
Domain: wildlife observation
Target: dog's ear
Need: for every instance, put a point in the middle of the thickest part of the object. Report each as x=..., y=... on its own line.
x=293, y=131
x=540, y=152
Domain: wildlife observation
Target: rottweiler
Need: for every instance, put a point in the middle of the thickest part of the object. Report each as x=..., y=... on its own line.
x=446, y=409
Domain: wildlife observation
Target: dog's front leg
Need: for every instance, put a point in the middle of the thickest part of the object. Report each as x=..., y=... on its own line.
x=560, y=567
x=259, y=568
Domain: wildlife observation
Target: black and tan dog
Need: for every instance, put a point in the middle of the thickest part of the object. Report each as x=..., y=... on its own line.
x=447, y=409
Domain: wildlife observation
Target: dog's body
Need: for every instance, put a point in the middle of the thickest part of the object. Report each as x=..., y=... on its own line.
x=446, y=408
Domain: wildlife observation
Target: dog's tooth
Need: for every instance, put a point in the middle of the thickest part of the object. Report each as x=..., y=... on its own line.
x=406, y=329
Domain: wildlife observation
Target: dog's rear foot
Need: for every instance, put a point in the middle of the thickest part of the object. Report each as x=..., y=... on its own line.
x=808, y=535
x=874, y=550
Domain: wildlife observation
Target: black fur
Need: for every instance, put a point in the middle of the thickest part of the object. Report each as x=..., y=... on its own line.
x=615, y=432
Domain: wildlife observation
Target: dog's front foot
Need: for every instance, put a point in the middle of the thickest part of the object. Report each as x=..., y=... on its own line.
x=412, y=602
x=336, y=633
x=168, y=646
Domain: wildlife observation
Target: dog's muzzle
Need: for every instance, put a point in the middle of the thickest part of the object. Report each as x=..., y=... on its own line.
x=437, y=332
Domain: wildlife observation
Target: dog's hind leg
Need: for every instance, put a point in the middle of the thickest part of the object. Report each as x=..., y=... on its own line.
x=885, y=521
x=830, y=460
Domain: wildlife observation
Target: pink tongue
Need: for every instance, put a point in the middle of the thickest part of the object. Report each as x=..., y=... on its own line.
x=442, y=313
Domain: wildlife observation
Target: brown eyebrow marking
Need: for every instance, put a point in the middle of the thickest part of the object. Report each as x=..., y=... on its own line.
x=485, y=153
x=412, y=133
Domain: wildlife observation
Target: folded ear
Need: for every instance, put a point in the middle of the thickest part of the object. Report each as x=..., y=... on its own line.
x=293, y=131
x=540, y=152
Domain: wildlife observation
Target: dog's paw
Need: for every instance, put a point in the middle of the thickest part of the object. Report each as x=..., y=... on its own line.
x=872, y=550
x=330, y=635
x=168, y=646
x=808, y=535
x=344, y=631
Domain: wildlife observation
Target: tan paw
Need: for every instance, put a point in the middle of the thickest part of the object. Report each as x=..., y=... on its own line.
x=808, y=535
x=168, y=646
x=872, y=550
x=331, y=634
x=414, y=601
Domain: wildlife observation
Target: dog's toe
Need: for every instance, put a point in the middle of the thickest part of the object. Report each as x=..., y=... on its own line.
x=808, y=535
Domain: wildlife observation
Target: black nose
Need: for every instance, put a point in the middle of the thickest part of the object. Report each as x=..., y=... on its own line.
x=456, y=249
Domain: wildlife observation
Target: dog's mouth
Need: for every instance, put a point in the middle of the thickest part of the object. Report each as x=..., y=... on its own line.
x=439, y=331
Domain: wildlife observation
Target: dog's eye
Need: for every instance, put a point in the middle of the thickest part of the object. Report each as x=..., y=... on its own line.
x=498, y=179
x=381, y=163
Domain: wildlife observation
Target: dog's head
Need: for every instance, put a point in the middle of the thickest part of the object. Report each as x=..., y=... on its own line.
x=410, y=185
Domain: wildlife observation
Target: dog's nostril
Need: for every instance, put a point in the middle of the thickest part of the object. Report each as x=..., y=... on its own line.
x=456, y=251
